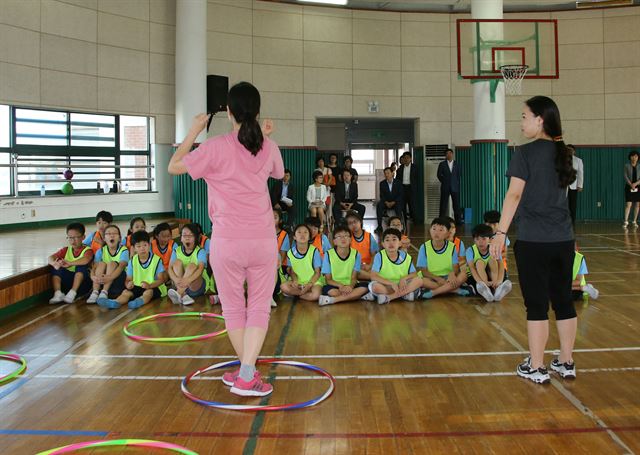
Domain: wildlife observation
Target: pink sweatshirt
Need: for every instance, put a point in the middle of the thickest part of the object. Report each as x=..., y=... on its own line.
x=239, y=203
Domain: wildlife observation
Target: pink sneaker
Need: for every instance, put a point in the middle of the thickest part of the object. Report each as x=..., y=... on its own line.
x=230, y=377
x=253, y=388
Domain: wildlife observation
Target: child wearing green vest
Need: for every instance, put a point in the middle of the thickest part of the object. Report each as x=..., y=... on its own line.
x=145, y=276
x=486, y=273
x=304, y=267
x=393, y=275
x=109, y=264
x=438, y=262
x=188, y=267
x=579, y=286
x=71, y=267
x=340, y=268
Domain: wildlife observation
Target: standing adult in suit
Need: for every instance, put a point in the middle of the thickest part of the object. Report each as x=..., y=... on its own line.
x=407, y=174
x=390, y=197
x=283, y=189
x=346, y=197
x=449, y=176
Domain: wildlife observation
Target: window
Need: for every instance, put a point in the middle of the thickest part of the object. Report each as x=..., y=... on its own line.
x=41, y=127
x=93, y=130
x=37, y=146
x=5, y=127
x=364, y=161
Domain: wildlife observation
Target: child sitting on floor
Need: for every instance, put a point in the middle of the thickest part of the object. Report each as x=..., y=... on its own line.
x=109, y=267
x=304, y=267
x=485, y=274
x=364, y=243
x=71, y=264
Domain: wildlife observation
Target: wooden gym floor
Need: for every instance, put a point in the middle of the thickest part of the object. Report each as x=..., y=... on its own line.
x=412, y=378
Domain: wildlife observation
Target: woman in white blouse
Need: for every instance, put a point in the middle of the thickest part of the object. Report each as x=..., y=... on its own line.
x=317, y=195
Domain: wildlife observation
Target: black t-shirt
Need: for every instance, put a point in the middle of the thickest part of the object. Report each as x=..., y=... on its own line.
x=543, y=212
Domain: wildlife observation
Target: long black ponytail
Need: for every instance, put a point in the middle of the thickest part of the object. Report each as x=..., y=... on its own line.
x=244, y=104
x=546, y=108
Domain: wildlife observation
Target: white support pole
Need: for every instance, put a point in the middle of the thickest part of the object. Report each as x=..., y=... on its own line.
x=191, y=64
x=488, y=117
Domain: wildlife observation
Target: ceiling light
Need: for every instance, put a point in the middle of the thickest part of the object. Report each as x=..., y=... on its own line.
x=327, y=2
x=581, y=4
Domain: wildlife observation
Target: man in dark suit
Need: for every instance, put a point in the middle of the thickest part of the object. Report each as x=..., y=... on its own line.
x=407, y=175
x=346, y=197
x=390, y=197
x=281, y=190
x=449, y=176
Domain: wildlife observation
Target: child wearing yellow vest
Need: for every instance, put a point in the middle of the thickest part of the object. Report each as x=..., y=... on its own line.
x=145, y=276
x=438, y=262
x=393, y=275
x=340, y=268
x=485, y=273
x=70, y=264
x=364, y=243
x=109, y=264
x=187, y=268
x=579, y=286
x=95, y=240
x=304, y=267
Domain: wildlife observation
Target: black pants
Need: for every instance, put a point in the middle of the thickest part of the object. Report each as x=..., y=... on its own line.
x=444, y=203
x=545, y=271
x=337, y=210
x=381, y=207
x=290, y=212
x=573, y=203
x=408, y=200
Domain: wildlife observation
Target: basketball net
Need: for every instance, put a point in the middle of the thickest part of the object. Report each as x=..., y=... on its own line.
x=513, y=75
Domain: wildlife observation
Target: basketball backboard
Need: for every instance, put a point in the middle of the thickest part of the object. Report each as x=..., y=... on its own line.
x=484, y=45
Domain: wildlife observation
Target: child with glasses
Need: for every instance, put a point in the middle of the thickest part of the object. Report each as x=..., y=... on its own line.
x=70, y=264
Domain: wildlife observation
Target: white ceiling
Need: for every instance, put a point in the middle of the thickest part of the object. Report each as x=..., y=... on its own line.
x=458, y=6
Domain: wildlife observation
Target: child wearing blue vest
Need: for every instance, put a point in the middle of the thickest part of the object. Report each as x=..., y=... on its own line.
x=109, y=264
x=579, y=286
x=485, y=273
x=438, y=262
x=145, y=276
x=71, y=264
x=188, y=267
x=340, y=268
x=393, y=275
x=304, y=267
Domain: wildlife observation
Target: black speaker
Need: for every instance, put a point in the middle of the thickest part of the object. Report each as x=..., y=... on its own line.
x=217, y=89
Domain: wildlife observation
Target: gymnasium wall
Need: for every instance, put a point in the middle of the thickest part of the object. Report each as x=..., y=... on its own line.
x=311, y=61
x=114, y=56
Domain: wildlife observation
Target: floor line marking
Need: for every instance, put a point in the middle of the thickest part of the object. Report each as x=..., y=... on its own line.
x=24, y=379
x=579, y=405
x=107, y=377
x=330, y=356
x=27, y=324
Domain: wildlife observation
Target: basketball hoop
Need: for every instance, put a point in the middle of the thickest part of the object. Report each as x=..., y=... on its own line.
x=513, y=75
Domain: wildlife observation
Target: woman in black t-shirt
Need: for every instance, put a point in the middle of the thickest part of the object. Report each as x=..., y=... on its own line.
x=540, y=173
x=348, y=162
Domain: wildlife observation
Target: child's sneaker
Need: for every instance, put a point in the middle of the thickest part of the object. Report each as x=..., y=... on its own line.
x=625, y=224
x=253, y=388
x=108, y=303
x=187, y=300
x=174, y=296
x=326, y=300
x=215, y=300
x=539, y=375
x=58, y=297
x=591, y=291
x=70, y=297
x=369, y=297
x=413, y=295
x=484, y=291
x=427, y=295
x=383, y=299
x=136, y=303
x=565, y=370
x=503, y=290
x=93, y=298
x=463, y=292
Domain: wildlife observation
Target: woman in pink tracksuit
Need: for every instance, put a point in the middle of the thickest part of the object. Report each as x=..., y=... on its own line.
x=236, y=167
